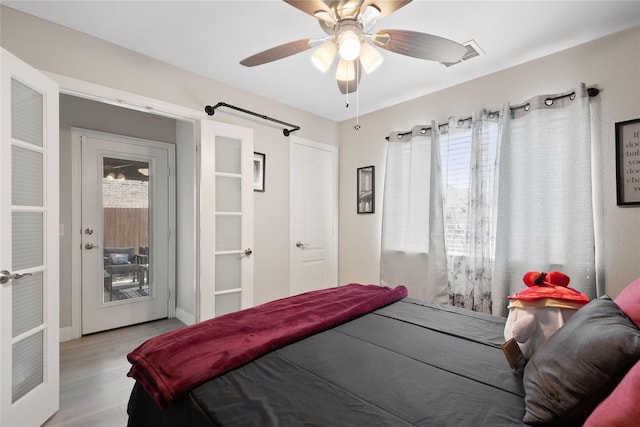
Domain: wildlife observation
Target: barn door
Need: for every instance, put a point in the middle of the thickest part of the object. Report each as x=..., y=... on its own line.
x=226, y=219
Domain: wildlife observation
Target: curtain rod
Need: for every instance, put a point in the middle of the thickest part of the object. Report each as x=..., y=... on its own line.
x=211, y=110
x=441, y=125
x=592, y=91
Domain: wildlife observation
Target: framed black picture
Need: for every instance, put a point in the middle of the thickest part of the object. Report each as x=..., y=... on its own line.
x=628, y=162
x=259, y=160
x=366, y=190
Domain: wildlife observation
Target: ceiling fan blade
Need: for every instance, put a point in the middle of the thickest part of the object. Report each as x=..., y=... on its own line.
x=337, y=9
x=310, y=7
x=419, y=45
x=277, y=52
x=347, y=9
x=386, y=7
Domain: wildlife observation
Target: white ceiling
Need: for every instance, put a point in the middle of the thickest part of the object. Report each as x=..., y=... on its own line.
x=211, y=37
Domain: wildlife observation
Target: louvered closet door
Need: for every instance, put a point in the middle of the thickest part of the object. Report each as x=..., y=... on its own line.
x=29, y=296
x=226, y=238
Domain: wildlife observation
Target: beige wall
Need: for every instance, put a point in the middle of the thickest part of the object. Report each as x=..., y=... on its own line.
x=53, y=48
x=611, y=64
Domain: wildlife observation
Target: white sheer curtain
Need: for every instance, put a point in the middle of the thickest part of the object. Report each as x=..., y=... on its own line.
x=412, y=250
x=512, y=193
x=469, y=165
x=545, y=213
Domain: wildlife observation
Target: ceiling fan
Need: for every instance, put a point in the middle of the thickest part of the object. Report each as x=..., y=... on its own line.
x=348, y=24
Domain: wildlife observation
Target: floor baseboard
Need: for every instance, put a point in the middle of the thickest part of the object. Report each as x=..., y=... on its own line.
x=66, y=334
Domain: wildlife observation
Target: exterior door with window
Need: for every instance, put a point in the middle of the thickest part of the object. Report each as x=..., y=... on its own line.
x=226, y=219
x=126, y=230
x=29, y=244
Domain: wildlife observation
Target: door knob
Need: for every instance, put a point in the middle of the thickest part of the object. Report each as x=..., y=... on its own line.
x=302, y=245
x=90, y=246
x=247, y=252
x=5, y=276
x=88, y=231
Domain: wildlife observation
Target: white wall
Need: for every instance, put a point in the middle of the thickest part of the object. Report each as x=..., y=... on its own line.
x=53, y=48
x=611, y=64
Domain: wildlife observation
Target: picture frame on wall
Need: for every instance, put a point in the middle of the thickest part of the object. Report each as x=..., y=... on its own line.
x=628, y=162
x=259, y=160
x=366, y=186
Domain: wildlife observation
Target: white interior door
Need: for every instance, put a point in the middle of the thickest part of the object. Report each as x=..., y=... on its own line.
x=126, y=230
x=29, y=235
x=314, y=216
x=226, y=219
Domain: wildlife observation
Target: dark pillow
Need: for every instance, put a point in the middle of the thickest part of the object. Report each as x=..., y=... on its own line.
x=580, y=365
x=117, y=259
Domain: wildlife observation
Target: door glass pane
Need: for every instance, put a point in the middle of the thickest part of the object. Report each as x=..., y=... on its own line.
x=228, y=233
x=228, y=194
x=227, y=303
x=26, y=114
x=26, y=177
x=27, y=365
x=228, y=272
x=228, y=155
x=27, y=303
x=125, y=209
x=27, y=240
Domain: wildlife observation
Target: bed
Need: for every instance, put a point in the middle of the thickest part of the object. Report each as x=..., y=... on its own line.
x=394, y=362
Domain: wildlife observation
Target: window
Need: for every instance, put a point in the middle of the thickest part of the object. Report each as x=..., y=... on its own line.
x=455, y=150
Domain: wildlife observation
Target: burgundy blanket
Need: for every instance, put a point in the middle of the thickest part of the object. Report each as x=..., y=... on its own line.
x=170, y=365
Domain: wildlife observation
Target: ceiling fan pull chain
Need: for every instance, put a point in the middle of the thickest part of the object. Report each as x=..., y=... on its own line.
x=346, y=105
x=357, y=126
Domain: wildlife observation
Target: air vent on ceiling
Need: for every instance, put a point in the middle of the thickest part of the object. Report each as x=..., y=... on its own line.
x=473, y=50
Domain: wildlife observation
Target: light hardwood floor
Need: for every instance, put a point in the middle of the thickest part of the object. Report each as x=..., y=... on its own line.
x=94, y=387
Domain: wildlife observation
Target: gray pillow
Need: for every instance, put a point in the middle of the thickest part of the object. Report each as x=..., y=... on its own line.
x=580, y=365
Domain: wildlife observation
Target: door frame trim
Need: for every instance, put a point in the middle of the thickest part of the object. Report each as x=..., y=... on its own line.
x=296, y=140
x=107, y=95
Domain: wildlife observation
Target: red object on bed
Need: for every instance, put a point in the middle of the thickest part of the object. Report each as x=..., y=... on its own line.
x=552, y=285
x=170, y=365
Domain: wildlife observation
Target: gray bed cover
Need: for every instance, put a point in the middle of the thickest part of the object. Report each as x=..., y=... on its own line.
x=408, y=364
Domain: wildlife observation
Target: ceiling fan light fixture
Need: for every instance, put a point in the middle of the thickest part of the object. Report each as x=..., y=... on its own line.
x=346, y=71
x=371, y=13
x=370, y=58
x=323, y=15
x=323, y=57
x=349, y=45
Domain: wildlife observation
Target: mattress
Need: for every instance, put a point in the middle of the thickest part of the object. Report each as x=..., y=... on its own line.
x=410, y=363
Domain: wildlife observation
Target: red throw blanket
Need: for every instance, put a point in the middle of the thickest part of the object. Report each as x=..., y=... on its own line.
x=170, y=365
